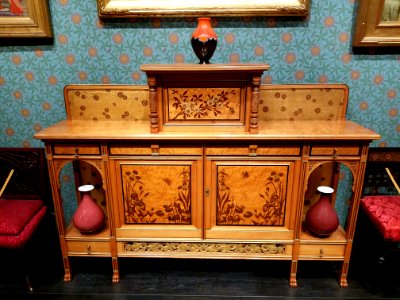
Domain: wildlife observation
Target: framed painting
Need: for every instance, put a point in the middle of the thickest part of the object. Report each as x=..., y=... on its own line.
x=25, y=19
x=196, y=8
x=377, y=23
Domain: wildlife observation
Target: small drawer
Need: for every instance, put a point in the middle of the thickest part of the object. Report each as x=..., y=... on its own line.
x=79, y=149
x=155, y=150
x=321, y=251
x=334, y=151
x=255, y=150
x=88, y=248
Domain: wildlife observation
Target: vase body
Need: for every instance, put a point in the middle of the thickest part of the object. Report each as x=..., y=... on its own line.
x=204, y=40
x=321, y=218
x=88, y=217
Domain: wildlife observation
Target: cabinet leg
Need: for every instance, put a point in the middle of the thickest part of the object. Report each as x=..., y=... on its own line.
x=293, y=274
x=115, y=278
x=343, y=275
x=67, y=269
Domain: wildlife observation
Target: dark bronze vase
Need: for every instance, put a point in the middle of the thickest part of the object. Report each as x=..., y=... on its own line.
x=204, y=40
x=321, y=218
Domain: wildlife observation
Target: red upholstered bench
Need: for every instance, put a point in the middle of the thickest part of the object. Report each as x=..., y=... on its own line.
x=24, y=200
x=377, y=239
x=384, y=212
x=18, y=221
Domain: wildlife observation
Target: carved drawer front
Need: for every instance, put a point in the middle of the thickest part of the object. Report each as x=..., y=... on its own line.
x=76, y=149
x=333, y=151
x=255, y=150
x=154, y=149
x=88, y=248
x=321, y=251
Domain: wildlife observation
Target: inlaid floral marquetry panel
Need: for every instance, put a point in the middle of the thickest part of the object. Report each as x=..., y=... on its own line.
x=251, y=195
x=155, y=194
x=107, y=103
x=204, y=104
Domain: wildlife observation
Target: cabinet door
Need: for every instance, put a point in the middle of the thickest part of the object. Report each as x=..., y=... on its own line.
x=249, y=200
x=158, y=199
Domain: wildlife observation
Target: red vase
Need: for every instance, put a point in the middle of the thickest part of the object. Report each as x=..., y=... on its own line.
x=321, y=218
x=88, y=217
x=204, y=40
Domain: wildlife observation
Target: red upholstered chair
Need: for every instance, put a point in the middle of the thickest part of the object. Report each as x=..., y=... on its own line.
x=377, y=237
x=21, y=209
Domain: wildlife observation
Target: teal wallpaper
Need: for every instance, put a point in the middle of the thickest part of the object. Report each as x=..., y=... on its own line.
x=85, y=50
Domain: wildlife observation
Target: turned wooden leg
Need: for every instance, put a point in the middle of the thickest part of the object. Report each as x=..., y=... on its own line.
x=293, y=274
x=343, y=275
x=115, y=278
x=67, y=270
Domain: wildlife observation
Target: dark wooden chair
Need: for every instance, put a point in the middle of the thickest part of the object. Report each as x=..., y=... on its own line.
x=377, y=239
x=24, y=201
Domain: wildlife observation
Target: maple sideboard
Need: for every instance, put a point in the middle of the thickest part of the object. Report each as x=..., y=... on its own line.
x=207, y=162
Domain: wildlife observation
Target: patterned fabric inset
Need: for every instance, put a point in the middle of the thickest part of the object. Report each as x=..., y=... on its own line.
x=302, y=103
x=385, y=213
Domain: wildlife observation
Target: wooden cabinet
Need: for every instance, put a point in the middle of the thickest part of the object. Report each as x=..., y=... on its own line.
x=204, y=188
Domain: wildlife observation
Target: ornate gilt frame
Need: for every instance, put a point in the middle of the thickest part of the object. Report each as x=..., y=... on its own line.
x=371, y=30
x=191, y=8
x=35, y=25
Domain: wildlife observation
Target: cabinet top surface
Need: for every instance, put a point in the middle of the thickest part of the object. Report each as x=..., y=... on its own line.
x=268, y=131
x=160, y=68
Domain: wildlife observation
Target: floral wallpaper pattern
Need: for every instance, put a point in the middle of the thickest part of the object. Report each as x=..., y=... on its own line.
x=85, y=50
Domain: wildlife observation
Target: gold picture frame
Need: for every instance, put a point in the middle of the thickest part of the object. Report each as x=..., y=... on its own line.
x=376, y=24
x=192, y=8
x=33, y=22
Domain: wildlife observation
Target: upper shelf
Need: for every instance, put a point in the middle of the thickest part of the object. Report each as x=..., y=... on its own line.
x=168, y=68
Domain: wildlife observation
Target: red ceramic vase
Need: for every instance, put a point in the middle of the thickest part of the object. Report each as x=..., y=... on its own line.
x=321, y=218
x=88, y=217
x=204, y=40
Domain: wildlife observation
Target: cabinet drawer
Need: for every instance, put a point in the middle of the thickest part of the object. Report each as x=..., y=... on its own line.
x=321, y=251
x=331, y=150
x=88, y=248
x=155, y=150
x=254, y=150
x=79, y=149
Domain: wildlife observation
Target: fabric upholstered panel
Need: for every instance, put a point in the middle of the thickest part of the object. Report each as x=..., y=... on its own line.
x=19, y=240
x=384, y=211
x=15, y=214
